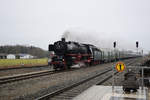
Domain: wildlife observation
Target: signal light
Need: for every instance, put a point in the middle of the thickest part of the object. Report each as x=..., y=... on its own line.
x=137, y=44
x=114, y=44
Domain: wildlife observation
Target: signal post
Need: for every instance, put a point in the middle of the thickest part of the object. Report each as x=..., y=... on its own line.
x=113, y=73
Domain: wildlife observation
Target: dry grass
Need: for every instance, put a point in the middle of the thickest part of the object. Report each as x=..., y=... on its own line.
x=7, y=63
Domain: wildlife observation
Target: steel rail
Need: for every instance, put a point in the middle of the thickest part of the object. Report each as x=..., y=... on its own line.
x=8, y=79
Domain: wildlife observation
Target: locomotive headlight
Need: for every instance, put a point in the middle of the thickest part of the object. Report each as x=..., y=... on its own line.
x=63, y=60
x=73, y=57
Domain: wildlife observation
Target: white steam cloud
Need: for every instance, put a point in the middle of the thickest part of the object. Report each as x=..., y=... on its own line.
x=101, y=40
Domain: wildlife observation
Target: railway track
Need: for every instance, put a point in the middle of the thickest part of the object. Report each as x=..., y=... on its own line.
x=8, y=79
x=19, y=77
x=22, y=67
x=73, y=90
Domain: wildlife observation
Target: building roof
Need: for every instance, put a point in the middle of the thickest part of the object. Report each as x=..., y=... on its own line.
x=3, y=54
x=21, y=55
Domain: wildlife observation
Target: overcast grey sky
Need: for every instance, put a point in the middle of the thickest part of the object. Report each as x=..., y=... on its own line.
x=40, y=22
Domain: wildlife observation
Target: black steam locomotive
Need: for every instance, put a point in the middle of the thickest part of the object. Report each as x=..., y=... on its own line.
x=71, y=53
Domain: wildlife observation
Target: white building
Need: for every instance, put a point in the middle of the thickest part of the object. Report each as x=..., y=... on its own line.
x=26, y=56
x=11, y=56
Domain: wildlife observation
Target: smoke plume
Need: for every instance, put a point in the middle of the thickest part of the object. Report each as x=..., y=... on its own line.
x=101, y=40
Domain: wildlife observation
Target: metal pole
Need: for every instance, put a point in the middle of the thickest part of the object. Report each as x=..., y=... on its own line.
x=142, y=78
x=113, y=77
x=113, y=74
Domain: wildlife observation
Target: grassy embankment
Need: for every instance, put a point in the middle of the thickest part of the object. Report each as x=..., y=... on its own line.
x=10, y=63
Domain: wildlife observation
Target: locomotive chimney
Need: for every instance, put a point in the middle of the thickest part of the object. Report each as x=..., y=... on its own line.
x=63, y=39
